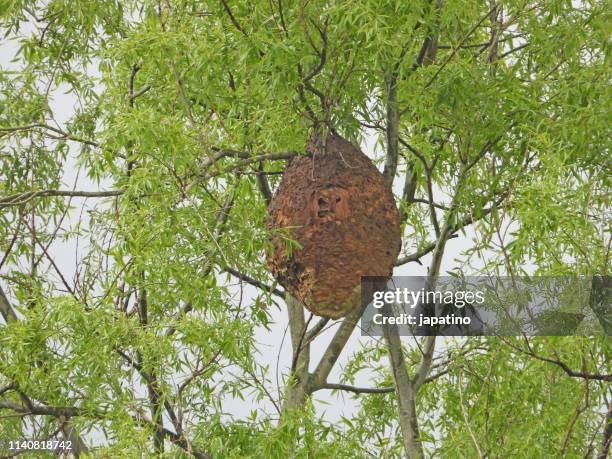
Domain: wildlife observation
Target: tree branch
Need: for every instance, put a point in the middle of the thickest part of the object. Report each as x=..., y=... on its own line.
x=18, y=199
x=607, y=434
x=569, y=371
x=332, y=353
x=232, y=18
x=574, y=374
x=458, y=47
x=392, y=130
x=219, y=227
x=376, y=390
x=69, y=412
x=5, y=389
x=410, y=185
x=8, y=314
x=425, y=201
x=42, y=410
x=314, y=331
x=421, y=253
x=358, y=390
x=63, y=135
x=263, y=185
x=421, y=374
x=236, y=165
x=299, y=377
x=404, y=389
x=140, y=92
x=254, y=282
x=27, y=196
x=6, y=310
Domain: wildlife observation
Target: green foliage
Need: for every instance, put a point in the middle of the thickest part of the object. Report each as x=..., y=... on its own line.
x=187, y=109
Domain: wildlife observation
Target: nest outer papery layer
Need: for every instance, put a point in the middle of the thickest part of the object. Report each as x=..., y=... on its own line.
x=334, y=203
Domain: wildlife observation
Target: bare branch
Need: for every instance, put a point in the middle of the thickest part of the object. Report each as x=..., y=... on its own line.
x=232, y=18
x=305, y=82
x=580, y=408
x=314, y=331
x=8, y=314
x=254, y=159
x=4, y=390
x=574, y=374
x=197, y=373
x=410, y=183
x=435, y=376
x=404, y=389
x=358, y=390
x=63, y=135
x=51, y=261
x=134, y=95
x=135, y=69
x=140, y=92
x=376, y=390
x=18, y=199
x=27, y=196
x=423, y=370
x=263, y=185
x=248, y=160
x=421, y=253
x=322, y=54
x=392, y=130
x=425, y=201
x=299, y=378
x=11, y=244
x=254, y=282
x=467, y=422
x=332, y=353
x=42, y=410
x=417, y=255
x=414, y=151
x=430, y=195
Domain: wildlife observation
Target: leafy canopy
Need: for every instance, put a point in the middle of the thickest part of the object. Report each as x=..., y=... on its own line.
x=145, y=137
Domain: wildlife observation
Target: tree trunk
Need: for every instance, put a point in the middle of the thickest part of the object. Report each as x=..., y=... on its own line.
x=297, y=386
x=405, y=390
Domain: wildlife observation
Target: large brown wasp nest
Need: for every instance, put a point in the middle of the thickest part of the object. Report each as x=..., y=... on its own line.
x=335, y=204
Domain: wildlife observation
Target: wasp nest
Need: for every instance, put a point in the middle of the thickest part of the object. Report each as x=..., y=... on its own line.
x=335, y=204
